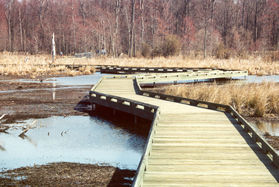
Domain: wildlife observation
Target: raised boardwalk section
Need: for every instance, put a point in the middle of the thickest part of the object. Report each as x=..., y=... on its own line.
x=191, y=143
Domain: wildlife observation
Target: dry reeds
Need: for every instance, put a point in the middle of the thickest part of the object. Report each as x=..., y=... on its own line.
x=249, y=99
x=35, y=66
x=26, y=64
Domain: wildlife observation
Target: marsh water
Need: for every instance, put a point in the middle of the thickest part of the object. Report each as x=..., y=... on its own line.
x=81, y=139
x=270, y=127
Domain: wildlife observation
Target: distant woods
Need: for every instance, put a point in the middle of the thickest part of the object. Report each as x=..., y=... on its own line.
x=141, y=27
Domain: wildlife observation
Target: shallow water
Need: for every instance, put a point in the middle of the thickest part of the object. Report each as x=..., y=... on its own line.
x=69, y=81
x=77, y=80
x=268, y=127
x=81, y=139
x=43, y=89
x=259, y=79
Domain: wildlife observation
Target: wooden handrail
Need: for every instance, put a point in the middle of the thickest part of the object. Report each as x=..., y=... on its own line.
x=144, y=159
x=257, y=138
x=117, y=99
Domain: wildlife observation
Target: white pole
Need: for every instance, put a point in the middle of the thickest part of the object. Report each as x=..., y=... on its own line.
x=53, y=48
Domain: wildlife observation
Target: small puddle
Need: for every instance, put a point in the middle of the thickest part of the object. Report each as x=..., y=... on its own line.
x=269, y=127
x=259, y=79
x=80, y=139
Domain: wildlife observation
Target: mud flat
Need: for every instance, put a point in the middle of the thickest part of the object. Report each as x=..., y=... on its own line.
x=39, y=102
x=67, y=174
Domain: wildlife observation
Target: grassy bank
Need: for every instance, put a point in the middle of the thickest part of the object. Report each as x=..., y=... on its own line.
x=34, y=66
x=255, y=100
x=27, y=63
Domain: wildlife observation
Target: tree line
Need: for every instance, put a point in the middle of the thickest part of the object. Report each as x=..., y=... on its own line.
x=134, y=26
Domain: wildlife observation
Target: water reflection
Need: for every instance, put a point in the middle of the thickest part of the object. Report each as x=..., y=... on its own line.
x=80, y=139
x=53, y=91
x=268, y=127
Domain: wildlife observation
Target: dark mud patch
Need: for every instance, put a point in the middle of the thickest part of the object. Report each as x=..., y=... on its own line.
x=11, y=85
x=67, y=174
x=40, y=103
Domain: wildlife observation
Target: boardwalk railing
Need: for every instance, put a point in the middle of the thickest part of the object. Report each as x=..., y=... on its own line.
x=265, y=146
x=144, y=159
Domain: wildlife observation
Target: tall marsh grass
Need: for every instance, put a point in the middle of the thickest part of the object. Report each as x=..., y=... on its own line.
x=25, y=64
x=35, y=66
x=253, y=99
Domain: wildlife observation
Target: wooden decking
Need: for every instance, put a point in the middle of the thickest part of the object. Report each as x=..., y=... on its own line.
x=192, y=146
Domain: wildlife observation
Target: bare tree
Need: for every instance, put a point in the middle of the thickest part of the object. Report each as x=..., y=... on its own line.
x=124, y=25
x=73, y=26
x=116, y=28
x=8, y=13
x=132, y=29
x=142, y=21
x=205, y=14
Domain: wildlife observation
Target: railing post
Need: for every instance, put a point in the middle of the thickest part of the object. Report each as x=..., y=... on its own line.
x=276, y=160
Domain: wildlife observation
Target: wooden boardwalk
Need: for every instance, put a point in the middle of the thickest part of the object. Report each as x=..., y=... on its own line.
x=190, y=145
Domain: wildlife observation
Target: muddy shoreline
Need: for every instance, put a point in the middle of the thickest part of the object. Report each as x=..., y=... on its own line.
x=67, y=174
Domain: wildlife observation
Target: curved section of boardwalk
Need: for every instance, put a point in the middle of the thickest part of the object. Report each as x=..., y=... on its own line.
x=193, y=146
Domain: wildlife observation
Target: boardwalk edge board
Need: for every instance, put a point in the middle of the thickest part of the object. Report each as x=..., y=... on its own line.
x=154, y=113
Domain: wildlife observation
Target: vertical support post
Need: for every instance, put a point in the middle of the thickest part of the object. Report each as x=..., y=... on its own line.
x=135, y=120
x=53, y=52
x=93, y=107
